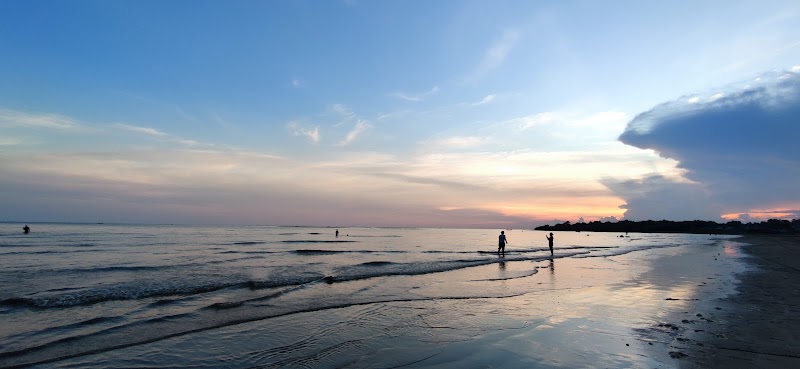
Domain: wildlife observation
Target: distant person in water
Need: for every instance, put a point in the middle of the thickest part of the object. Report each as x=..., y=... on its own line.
x=337, y=233
x=550, y=241
x=26, y=229
x=501, y=243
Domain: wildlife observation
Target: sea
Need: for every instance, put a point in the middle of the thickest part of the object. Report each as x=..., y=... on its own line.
x=137, y=296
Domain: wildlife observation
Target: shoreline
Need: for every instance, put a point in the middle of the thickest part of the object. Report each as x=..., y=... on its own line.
x=758, y=325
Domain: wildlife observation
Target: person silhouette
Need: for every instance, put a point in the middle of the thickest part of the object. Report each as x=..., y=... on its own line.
x=26, y=229
x=501, y=243
x=550, y=241
x=337, y=233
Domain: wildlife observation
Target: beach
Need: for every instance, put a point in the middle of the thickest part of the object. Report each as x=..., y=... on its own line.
x=759, y=326
x=283, y=297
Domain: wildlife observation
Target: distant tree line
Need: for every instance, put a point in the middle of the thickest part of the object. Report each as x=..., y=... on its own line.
x=772, y=226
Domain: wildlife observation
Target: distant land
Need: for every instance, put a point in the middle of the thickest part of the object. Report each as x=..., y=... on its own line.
x=772, y=226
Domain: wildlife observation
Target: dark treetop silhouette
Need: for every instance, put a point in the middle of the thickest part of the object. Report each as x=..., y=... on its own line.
x=667, y=226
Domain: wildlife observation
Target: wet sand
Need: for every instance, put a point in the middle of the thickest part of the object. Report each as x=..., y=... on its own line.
x=759, y=326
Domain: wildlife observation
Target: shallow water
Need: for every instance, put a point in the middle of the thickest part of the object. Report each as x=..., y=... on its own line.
x=241, y=297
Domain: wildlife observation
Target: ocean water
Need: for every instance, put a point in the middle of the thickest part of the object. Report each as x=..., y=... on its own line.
x=100, y=295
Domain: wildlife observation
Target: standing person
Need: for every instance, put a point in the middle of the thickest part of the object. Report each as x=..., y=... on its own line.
x=337, y=233
x=26, y=229
x=550, y=241
x=501, y=243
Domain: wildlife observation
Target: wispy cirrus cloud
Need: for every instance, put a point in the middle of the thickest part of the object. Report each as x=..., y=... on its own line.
x=605, y=120
x=12, y=118
x=395, y=114
x=223, y=122
x=415, y=97
x=487, y=99
x=497, y=53
x=342, y=110
x=184, y=114
x=457, y=142
x=311, y=133
x=143, y=130
x=358, y=130
x=155, y=133
x=529, y=121
x=67, y=125
x=336, y=118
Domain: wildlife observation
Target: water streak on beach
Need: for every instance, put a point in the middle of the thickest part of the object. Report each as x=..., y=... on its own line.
x=76, y=291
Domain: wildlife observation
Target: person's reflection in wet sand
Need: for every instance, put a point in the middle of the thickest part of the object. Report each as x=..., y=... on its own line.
x=502, y=265
x=552, y=272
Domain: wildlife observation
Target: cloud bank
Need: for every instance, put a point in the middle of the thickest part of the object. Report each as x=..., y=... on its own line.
x=738, y=149
x=415, y=97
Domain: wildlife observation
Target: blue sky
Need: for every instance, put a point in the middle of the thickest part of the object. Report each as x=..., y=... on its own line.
x=439, y=113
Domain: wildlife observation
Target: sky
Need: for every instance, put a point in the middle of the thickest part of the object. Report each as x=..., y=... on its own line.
x=490, y=114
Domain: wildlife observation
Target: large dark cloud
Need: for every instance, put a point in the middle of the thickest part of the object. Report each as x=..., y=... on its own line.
x=739, y=148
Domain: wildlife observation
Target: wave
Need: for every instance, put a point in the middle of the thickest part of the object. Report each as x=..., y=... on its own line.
x=73, y=244
x=386, y=269
x=320, y=252
x=65, y=298
x=148, y=268
x=120, y=268
x=245, y=252
x=365, y=236
x=519, y=250
x=152, y=330
x=517, y=275
x=377, y=263
x=162, y=302
x=331, y=252
x=225, y=305
x=628, y=250
x=317, y=241
x=43, y=252
x=132, y=268
x=98, y=295
x=141, y=290
x=149, y=289
x=81, y=324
